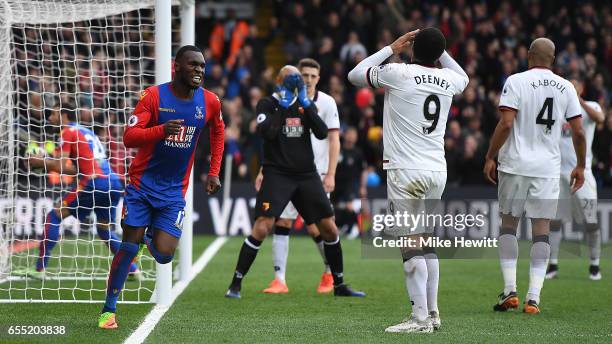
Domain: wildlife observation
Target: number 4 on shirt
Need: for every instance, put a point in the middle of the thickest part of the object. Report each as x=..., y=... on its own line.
x=548, y=108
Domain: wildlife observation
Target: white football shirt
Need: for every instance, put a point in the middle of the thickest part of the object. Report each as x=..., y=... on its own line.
x=568, y=154
x=416, y=106
x=543, y=100
x=328, y=111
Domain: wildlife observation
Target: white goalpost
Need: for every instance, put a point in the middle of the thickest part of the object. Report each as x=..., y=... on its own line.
x=94, y=57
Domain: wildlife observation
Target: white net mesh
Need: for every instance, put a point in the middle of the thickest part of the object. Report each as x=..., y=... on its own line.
x=93, y=58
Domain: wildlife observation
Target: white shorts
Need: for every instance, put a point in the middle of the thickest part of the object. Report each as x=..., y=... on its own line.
x=413, y=192
x=290, y=213
x=535, y=197
x=582, y=205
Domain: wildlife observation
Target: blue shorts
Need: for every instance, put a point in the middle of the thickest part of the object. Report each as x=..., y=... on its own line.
x=100, y=195
x=141, y=209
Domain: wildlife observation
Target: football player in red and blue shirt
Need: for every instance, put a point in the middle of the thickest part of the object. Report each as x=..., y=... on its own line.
x=165, y=126
x=98, y=188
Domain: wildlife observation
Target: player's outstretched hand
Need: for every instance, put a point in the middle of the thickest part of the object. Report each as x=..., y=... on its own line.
x=173, y=126
x=403, y=41
x=489, y=171
x=577, y=179
x=213, y=184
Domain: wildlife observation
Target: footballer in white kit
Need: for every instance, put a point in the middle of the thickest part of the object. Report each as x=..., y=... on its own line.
x=580, y=206
x=533, y=105
x=417, y=101
x=325, y=153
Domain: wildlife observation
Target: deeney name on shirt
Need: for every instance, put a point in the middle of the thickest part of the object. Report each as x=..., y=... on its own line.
x=431, y=79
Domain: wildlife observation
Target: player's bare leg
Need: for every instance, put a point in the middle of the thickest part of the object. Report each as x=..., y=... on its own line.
x=280, y=253
x=415, y=274
x=262, y=227
x=333, y=254
x=556, y=227
x=161, y=245
x=540, y=252
x=132, y=238
x=508, y=256
x=326, y=285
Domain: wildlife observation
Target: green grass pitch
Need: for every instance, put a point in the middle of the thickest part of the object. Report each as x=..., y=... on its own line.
x=574, y=309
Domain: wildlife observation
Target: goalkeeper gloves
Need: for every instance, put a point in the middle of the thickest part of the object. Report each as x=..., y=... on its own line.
x=286, y=96
x=303, y=93
x=295, y=81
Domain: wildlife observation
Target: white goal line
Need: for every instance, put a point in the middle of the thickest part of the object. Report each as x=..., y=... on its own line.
x=148, y=324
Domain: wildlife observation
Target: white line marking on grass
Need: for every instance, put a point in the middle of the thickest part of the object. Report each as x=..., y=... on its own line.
x=158, y=312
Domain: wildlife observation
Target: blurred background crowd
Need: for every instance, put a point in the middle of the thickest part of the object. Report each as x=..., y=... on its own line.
x=488, y=38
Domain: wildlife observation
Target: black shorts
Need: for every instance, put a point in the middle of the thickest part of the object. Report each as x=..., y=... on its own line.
x=305, y=191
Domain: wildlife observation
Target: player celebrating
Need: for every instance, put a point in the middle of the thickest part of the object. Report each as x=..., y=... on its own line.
x=285, y=120
x=532, y=104
x=326, y=153
x=583, y=202
x=166, y=126
x=98, y=187
x=417, y=101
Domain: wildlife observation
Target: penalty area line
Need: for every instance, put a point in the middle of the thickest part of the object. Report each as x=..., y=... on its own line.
x=148, y=324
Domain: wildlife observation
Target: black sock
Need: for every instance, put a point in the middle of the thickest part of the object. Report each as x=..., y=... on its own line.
x=248, y=252
x=317, y=239
x=279, y=230
x=333, y=255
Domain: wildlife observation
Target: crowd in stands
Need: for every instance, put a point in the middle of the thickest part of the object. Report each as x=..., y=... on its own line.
x=489, y=39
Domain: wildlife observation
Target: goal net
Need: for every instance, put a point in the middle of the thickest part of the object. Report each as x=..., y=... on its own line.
x=94, y=58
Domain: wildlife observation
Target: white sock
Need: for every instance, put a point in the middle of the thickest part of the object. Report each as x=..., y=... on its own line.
x=280, y=251
x=540, y=251
x=508, y=255
x=593, y=239
x=555, y=242
x=322, y=252
x=415, y=270
x=433, y=276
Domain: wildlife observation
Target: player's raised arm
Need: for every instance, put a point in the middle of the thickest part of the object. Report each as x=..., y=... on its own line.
x=447, y=61
x=364, y=74
x=141, y=130
x=593, y=111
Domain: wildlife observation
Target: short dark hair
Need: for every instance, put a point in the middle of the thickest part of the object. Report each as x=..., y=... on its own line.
x=185, y=48
x=70, y=113
x=428, y=45
x=308, y=62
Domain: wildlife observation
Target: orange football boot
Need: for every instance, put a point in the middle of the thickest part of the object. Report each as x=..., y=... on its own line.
x=276, y=287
